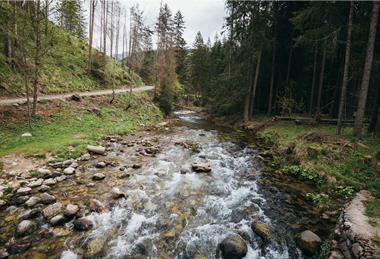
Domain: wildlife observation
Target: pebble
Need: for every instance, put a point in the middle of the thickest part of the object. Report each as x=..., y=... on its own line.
x=29, y=214
x=22, y=199
x=98, y=176
x=69, y=171
x=67, y=163
x=24, y=190
x=44, y=173
x=47, y=198
x=74, y=165
x=32, y=201
x=71, y=210
x=60, y=178
x=36, y=183
x=57, y=220
x=136, y=166
x=52, y=210
x=91, y=185
x=83, y=224
x=116, y=193
x=50, y=182
x=26, y=227
x=101, y=164
x=2, y=203
x=44, y=188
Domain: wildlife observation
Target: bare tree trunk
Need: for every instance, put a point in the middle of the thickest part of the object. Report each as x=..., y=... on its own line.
x=255, y=82
x=105, y=15
x=289, y=65
x=345, y=72
x=359, y=118
x=248, y=95
x=112, y=27
x=91, y=33
x=272, y=79
x=36, y=57
x=46, y=16
x=117, y=31
x=318, y=108
x=313, y=81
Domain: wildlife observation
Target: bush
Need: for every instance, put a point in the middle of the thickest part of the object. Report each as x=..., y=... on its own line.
x=318, y=198
x=305, y=174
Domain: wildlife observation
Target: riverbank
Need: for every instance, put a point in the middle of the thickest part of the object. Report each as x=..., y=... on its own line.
x=333, y=168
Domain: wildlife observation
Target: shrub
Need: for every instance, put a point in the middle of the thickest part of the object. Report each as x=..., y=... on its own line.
x=318, y=198
x=305, y=174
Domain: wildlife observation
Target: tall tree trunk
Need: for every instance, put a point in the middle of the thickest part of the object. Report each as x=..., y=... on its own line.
x=91, y=33
x=270, y=100
x=313, y=81
x=46, y=16
x=359, y=118
x=321, y=79
x=289, y=65
x=249, y=94
x=117, y=31
x=36, y=57
x=105, y=15
x=255, y=83
x=343, y=93
x=112, y=28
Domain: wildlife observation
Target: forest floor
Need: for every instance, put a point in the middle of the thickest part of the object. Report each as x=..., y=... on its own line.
x=336, y=166
x=64, y=127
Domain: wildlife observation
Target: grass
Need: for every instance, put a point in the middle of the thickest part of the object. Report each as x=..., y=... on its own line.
x=76, y=127
x=342, y=162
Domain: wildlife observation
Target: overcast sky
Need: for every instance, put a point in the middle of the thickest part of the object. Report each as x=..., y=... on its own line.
x=206, y=16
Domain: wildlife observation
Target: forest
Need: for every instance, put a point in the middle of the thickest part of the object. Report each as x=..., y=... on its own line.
x=120, y=137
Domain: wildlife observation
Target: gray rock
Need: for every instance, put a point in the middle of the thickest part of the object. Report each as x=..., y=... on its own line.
x=29, y=214
x=44, y=188
x=21, y=199
x=71, y=210
x=23, y=190
x=52, y=210
x=44, y=173
x=83, y=224
x=2, y=203
x=74, y=165
x=85, y=157
x=36, y=183
x=32, y=201
x=101, y=164
x=95, y=247
x=61, y=178
x=57, y=220
x=136, y=166
x=3, y=253
x=96, y=149
x=356, y=250
x=67, y=162
x=69, y=170
x=309, y=242
x=336, y=254
x=233, y=247
x=47, y=198
x=90, y=185
x=184, y=171
x=116, y=193
x=26, y=227
x=98, y=176
x=50, y=182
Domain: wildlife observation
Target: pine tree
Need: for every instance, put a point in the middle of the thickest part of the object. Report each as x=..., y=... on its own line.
x=71, y=18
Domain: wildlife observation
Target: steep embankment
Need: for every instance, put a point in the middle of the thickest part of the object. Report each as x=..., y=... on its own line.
x=64, y=62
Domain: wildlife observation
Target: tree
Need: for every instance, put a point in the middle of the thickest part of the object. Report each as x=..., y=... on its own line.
x=70, y=17
x=180, y=47
x=345, y=73
x=359, y=118
x=93, y=4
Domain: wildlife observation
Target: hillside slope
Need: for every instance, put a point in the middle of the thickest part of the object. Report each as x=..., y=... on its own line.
x=63, y=63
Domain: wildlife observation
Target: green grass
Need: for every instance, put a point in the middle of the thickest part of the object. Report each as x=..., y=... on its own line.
x=77, y=127
x=376, y=240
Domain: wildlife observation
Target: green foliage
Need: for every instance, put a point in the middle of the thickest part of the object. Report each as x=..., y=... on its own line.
x=305, y=174
x=319, y=199
x=70, y=17
x=8, y=189
x=372, y=208
x=67, y=154
x=268, y=137
x=345, y=191
x=376, y=240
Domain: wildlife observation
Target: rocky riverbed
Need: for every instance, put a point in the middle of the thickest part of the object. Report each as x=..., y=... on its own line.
x=182, y=190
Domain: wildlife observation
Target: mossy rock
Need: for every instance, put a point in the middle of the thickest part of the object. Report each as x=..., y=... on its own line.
x=309, y=242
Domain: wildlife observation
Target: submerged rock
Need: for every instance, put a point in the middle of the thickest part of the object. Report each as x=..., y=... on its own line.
x=52, y=210
x=101, y=164
x=116, y=193
x=29, y=214
x=309, y=242
x=71, y=210
x=26, y=227
x=83, y=224
x=201, y=167
x=98, y=176
x=233, y=247
x=95, y=246
x=262, y=230
x=57, y=220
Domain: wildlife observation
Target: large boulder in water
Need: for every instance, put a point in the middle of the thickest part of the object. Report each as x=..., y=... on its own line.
x=309, y=242
x=261, y=230
x=233, y=247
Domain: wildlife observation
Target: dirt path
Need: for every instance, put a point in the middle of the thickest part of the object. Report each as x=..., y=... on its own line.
x=11, y=101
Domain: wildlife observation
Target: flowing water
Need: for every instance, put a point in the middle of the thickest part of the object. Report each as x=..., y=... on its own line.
x=169, y=214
